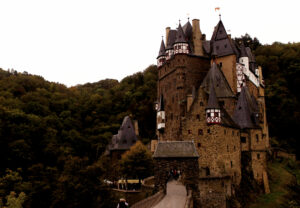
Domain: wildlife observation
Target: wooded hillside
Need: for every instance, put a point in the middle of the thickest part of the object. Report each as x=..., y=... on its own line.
x=51, y=136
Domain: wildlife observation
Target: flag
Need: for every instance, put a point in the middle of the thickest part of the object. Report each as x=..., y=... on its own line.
x=217, y=8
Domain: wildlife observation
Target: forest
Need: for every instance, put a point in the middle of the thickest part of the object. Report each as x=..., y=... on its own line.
x=52, y=138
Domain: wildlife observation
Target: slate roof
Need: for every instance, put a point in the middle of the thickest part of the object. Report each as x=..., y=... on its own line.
x=243, y=51
x=219, y=32
x=180, y=38
x=212, y=100
x=171, y=39
x=216, y=78
x=161, y=106
x=220, y=41
x=162, y=49
x=125, y=138
x=246, y=111
x=226, y=120
x=206, y=46
x=176, y=149
x=188, y=31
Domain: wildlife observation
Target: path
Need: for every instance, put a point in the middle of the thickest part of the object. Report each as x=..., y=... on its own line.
x=176, y=196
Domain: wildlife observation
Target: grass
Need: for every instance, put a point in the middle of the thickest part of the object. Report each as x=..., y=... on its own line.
x=281, y=175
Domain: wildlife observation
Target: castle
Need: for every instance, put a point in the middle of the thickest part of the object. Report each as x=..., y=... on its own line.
x=210, y=96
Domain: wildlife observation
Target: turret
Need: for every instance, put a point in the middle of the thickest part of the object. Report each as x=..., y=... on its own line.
x=161, y=58
x=213, y=111
x=180, y=45
x=161, y=114
x=170, y=42
x=244, y=57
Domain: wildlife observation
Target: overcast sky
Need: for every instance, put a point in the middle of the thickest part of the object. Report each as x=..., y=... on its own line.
x=79, y=41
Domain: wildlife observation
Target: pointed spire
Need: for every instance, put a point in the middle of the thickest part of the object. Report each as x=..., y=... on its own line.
x=162, y=49
x=243, y=50
x=161, y=106
x=246, y=110
x=216, y=78
x=180, y=38
x=212, y=100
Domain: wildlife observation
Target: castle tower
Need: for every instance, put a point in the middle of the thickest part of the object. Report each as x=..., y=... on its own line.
x=161, y=114
x=180, y=45
x=244, y=57
x=225, y=53
x=161, y=58
x=213, y=111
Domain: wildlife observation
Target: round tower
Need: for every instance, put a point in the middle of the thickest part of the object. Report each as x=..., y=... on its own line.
x=180, y=45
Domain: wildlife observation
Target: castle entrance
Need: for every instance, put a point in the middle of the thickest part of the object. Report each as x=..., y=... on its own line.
x=177, y=160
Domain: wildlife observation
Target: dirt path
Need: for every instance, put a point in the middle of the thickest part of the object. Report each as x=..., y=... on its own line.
x=176, y=196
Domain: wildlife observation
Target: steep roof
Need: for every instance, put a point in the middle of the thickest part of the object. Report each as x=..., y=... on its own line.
x=220, y=41
x=171, y=39
x=246, y=111
x=162, y=49
x=206, y=46
x=176, y=149
x=212, y=100
x=125, y=138
x=243, y=50
x=188, y=30
x=226, y=120
x=219, y=32
x=216, y=78
x=180, y=38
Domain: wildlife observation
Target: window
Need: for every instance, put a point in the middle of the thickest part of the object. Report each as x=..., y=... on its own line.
x=124, y=141
x=129, y=127
x=207, y=171
x=257, y=138
x=198, y=117
x=208, y=131
x=234, y=148
x=220, y=64
x=199, y=144
x=258, y=156
x=224, y=131
x=189, y=131
x=200, y=132
x=225, y=45
x=227, y=148
x=231, y=164
x=133, y=141
x=221, y=103
x=243, y=139
x=201, y=103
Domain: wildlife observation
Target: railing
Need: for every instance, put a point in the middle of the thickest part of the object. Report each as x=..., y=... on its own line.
x=150, y=201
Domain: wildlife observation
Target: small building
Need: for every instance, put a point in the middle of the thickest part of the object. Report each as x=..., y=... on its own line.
x=121, y=142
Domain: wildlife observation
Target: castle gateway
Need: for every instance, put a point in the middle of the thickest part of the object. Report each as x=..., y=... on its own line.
x=211, y=109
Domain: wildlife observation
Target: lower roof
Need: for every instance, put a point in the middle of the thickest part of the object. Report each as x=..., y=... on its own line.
x=176, y=149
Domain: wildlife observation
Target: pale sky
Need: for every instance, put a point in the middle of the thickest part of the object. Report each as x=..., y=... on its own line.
x=79, y=41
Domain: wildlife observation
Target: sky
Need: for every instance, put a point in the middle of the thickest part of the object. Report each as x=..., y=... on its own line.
x=78, y=41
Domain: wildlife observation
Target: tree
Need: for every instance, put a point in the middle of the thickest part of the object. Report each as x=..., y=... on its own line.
x=137, y=162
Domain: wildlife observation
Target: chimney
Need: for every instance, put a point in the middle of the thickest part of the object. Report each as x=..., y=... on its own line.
x=167, y=34
x=197, y=36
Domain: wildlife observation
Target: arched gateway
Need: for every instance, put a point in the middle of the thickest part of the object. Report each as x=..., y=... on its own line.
x=174, y=156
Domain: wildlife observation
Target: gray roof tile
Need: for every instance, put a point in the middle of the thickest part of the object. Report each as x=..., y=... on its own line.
x=216, y=78
x=176, y=149
x=162, y=49
x=246, y=111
